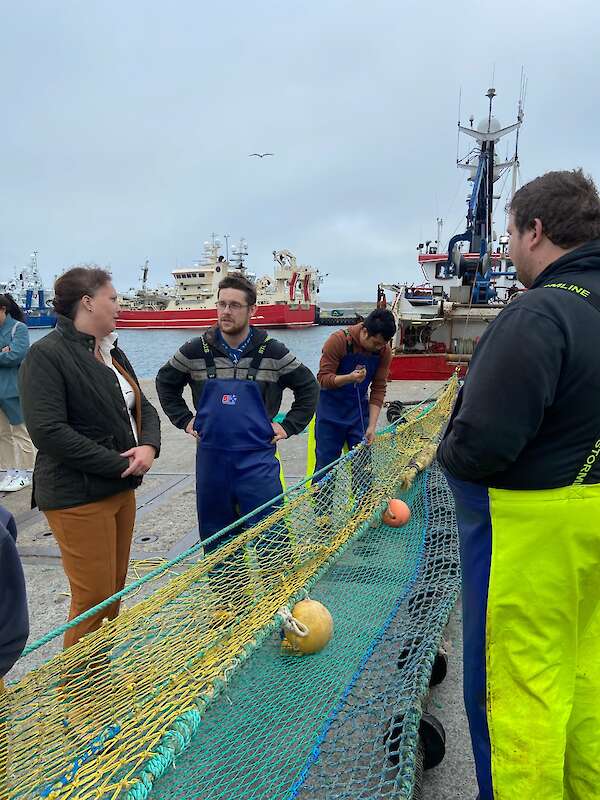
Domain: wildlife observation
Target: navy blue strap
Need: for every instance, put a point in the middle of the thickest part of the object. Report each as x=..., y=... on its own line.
x=209, y=359
x=349, y=342
x=258, y=357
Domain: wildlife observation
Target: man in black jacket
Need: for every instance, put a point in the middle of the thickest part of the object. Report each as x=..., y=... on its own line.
x=237, y=375
x=521, y=455
x=14, y=619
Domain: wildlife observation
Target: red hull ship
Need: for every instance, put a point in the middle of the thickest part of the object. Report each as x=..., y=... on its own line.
x=284, y=300
x=267, y=316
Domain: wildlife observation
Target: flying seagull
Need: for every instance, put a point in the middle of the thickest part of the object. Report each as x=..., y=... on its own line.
x=260, y=155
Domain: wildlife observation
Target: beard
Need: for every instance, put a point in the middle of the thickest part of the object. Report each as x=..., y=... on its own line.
x=524, y=276
x=233, y=327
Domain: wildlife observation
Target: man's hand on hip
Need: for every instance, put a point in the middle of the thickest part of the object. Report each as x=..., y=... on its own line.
x=279, y=432
x=189, y=428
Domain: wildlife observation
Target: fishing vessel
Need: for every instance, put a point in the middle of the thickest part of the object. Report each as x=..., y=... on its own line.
x=466, y=286
x=146, y=296
x=285, y=299
x=27, y=289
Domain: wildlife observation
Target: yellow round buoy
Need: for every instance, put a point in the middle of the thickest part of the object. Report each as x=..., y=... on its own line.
x=396, y=514
x=315, y=622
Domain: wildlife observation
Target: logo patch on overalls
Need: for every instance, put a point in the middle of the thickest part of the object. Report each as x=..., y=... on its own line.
x=229, y=400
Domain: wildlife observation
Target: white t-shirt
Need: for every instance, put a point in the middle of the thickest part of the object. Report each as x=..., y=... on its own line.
x=106, y=345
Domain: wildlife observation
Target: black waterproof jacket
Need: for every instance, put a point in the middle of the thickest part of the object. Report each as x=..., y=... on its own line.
x=279, y=370
x=14, y=619
x=77, y=418
x=528, y=416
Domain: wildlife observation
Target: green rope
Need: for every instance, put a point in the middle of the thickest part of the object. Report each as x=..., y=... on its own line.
x=167, y=565
x=179, y=735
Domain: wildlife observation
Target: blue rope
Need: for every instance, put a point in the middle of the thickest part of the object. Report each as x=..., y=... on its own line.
x=316, y=752
x=362, y=418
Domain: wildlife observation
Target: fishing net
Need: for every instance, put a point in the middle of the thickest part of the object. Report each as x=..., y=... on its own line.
x=191, y=693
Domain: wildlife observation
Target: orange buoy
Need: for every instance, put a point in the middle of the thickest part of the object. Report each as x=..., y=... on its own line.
x=312, y=626
x=396, y=514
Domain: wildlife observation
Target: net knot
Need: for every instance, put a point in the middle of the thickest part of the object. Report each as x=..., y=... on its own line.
x=290, y=623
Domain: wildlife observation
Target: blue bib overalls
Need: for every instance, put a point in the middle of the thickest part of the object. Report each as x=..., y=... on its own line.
x=343, y=413
x=236, y=468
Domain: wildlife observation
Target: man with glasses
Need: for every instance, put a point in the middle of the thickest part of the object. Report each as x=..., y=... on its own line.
x=237, y=375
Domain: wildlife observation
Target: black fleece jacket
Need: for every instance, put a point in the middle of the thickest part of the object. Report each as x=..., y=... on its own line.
x=528, y=415
x=279, y=370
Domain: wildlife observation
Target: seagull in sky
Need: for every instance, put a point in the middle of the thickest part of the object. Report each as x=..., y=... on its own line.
x=260, y=155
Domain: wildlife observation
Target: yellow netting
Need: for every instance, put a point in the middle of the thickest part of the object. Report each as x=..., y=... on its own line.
x=87, y=722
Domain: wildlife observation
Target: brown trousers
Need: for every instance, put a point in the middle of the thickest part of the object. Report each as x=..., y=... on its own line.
x=94, y=541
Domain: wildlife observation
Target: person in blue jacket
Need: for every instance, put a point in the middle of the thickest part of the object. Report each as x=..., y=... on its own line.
x=17, y=454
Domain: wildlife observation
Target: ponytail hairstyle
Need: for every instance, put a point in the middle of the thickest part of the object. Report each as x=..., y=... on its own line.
x=74, y=284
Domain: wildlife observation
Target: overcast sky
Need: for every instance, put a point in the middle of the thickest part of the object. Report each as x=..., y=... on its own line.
x=126, y=126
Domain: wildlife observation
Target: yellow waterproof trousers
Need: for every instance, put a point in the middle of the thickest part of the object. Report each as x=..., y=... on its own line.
x=531, y=620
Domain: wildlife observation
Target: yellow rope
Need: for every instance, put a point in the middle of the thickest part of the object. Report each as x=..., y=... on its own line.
x=133, y=678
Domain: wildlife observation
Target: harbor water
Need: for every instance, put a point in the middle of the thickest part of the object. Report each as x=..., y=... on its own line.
x=148, y=350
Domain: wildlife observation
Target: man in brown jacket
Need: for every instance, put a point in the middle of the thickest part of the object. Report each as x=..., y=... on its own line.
x=353, y=360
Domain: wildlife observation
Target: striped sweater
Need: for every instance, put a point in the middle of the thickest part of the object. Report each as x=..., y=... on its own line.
x=279, y=370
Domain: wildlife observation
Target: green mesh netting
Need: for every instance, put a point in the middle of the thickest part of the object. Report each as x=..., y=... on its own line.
x=189, y=693
x=319, y=726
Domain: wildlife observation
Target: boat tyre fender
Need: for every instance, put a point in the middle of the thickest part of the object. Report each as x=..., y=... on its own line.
x=432, y=738
x=395, y=411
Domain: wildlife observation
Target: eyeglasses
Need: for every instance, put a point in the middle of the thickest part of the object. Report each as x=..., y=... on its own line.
x=234, y=306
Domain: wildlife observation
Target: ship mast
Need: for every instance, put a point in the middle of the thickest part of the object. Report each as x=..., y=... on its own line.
x=520, y=113
x=238, y=253
x=145, y=269
x=34, y=266
x=485, y=172
x=487, y=233
x=440, y=227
